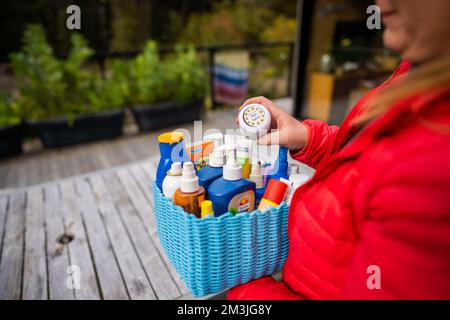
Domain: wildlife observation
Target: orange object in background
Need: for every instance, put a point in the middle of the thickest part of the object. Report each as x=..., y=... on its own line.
x=199, y=152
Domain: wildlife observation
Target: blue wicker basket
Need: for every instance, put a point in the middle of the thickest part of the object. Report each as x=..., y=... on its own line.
x=214, y=254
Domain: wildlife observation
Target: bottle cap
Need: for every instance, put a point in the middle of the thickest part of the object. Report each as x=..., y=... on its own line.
x=216, y=137
x=298, y=179
x=229, y=138
x=254, y=119
x=256, y=175
x=175, y=169
x=217, y=157
x=170, y=137
x=229, y=149
x=206, y=208
x=189, y=181
x=275, y=191
x=292, y=169
x=232, y=170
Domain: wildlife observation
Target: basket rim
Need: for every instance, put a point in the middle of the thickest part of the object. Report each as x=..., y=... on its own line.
x=225, y=216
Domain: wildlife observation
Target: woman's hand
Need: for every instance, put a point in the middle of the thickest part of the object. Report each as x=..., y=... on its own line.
x=289, y=132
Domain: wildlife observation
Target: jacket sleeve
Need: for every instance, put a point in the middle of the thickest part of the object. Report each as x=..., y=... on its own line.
x=319, y=142
x=266, y=288
x=404, y=247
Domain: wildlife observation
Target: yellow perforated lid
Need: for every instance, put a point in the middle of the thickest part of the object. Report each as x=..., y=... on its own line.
x=170, y=137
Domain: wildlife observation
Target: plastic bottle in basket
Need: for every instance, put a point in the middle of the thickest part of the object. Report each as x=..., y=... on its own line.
x=171, y=148
x=190, y=195
x=280, y=168
x=274, y=194
x=257, y=177
x=232, y=192
x=214, y=169
x=173, y=180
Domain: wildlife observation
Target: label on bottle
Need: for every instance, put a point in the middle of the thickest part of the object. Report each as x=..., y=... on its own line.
x=266, y=204
x=242, y=154
x=244, y=201
x=254, y=116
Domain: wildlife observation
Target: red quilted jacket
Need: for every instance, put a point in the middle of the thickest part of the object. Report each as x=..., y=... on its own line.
x=380, y=201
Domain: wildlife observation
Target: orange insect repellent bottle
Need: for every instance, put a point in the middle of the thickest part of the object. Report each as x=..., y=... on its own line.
x=190, y=195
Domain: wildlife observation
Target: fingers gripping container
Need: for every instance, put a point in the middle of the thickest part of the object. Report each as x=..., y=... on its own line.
x=216, y=253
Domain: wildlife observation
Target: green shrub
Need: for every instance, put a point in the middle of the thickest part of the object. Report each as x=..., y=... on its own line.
x=187, y=76
x=149, y=77
x=50, y=87
x=180, y=77
x=9, y=111
x=77, y=80
x=112, y=92
x=39, y=75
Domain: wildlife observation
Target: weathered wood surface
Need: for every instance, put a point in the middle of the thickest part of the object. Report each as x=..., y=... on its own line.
x=50, y=165
x=99, y=227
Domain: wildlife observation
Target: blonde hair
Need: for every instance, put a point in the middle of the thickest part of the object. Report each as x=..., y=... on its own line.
x=433, y=75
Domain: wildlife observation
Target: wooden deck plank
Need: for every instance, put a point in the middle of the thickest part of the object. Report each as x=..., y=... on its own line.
x=108, y=271
x=3, y=172
x=138, y=199
x=80, y=253
x=32, y=170
x=12, y=253
x=21, y=177
x=137, y=282
x=35, y=262
x=9, y=179
x=156, y=269
x=4, y=203
x=43, y=168
x=48, y=165
x=58, y=259
x=144, y=184
x=3, y=211
x=147, y=170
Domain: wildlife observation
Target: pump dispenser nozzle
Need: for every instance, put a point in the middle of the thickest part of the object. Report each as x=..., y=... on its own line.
x=189, y=181
x=217, y=157
x=256, y=175
x=232, y=170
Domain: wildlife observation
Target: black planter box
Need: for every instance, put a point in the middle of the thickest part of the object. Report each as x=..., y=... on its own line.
x=165, y=114
x=58, y=133
x=10, y=141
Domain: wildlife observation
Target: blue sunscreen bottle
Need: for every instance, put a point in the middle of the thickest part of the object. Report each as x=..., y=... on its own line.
x=171, y=148
x=280, y=168
x=214, y=169
x=232, y=192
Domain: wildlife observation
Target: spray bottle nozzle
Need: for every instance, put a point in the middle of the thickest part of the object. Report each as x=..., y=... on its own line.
x=232, y=170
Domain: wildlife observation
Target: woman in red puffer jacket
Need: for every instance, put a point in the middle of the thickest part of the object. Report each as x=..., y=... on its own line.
x=374, y=221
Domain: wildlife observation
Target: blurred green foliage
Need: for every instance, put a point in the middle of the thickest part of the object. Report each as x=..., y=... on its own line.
x=149, y=78
x=9, y=111
x=238, y=21
x=179, y=77
x=282, y=29
x=187, y=76
x=39, y=75
x=50, y=87
x=110, y=92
